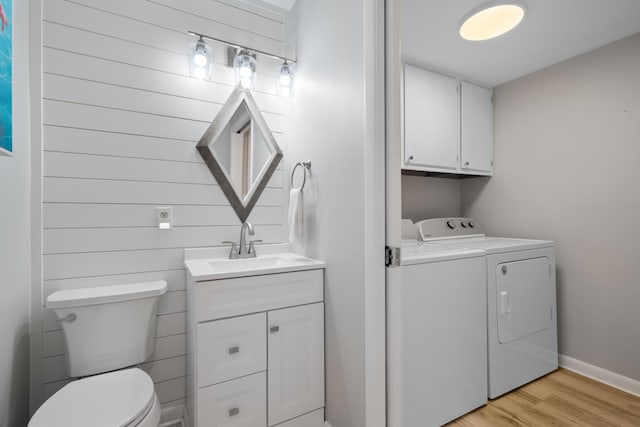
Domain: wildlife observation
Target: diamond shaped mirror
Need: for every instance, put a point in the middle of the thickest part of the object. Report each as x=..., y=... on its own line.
x=240, y=151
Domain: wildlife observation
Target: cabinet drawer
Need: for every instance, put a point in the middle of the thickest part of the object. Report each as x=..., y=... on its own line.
x=237, y=403
x=231, y=348
x=217, y=299
x=312, y=419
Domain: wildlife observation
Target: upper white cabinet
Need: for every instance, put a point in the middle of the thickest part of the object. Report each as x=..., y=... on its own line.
x=448, y=124
x=431, y=120
x=476, y=136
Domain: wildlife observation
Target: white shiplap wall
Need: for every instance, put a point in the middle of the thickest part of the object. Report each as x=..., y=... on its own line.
x=121, y=120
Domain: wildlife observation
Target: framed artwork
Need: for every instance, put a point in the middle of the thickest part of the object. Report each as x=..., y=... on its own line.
x=6, y=77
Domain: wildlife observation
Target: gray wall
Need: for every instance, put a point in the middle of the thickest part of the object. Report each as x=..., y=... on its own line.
x=327, y=127
x=567, y=146
x=428, y=197
x=15, y=266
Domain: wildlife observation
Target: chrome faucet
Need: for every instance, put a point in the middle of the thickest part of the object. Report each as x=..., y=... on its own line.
x=244, y=251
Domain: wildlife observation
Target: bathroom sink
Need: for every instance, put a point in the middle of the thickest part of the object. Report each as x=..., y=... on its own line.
x=263, y=262
x=223, y=268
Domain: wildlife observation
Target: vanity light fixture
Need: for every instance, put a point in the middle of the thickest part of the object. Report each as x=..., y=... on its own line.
x=200, y=60
x=285, y=79
x=491, y=20
x=244, y=63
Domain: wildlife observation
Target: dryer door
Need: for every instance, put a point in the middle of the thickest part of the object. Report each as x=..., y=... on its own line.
x=523, y=298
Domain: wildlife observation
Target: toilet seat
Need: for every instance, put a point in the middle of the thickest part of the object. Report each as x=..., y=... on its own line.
x=120, y=398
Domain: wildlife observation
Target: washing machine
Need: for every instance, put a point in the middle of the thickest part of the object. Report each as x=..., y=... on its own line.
x=521, y=300
x=437, y=335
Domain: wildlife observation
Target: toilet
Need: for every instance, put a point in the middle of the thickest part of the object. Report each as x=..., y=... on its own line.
x=107, y=330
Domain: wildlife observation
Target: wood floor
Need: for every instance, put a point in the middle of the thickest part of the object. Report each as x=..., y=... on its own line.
x=561, y=398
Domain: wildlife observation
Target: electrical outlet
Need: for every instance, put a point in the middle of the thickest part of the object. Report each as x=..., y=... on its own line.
x=164, y=217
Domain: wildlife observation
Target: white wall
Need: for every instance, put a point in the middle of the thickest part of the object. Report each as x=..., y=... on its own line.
x=15, y=235
x=428, y=197
x=566, y=169
x=121, y=120
x=327, y=126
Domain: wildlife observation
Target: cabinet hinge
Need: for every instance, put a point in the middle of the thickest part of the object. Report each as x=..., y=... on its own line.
x=391, y=257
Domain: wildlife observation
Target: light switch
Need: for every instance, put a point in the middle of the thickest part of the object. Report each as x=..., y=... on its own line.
x=164, y=217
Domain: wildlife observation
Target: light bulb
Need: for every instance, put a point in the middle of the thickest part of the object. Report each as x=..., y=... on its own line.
x=285, y=80
x=245, y=71
x=200, y=59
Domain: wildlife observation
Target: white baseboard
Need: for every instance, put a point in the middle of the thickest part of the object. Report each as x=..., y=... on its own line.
x=599, y=374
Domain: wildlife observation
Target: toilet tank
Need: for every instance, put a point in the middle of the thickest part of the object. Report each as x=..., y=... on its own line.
x=108, y=327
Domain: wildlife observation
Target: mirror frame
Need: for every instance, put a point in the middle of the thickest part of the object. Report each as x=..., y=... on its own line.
x=213, y=132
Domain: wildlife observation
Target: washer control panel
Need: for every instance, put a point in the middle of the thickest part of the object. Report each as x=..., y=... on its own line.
x=448, y=228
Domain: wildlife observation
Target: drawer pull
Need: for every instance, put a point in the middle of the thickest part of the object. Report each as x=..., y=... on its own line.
x=234, y=350
x=234, y=411
x=274, y=329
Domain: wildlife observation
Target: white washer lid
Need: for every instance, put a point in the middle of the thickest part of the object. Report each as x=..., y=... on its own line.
x=420, y=253
x=495, y=245
x=107, y=400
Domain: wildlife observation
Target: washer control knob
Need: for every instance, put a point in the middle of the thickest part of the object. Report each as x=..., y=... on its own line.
x=451, y=224
x=470, y=224
x=463, y=224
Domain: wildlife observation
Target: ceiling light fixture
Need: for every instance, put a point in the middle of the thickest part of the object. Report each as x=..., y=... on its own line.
x=491, y=20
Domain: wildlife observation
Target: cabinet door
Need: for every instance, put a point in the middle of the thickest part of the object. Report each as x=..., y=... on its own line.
x=477, y=129
x=431, y=120
x=296, y=361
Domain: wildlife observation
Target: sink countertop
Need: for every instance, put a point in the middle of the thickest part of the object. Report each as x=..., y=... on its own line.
x=214, y=263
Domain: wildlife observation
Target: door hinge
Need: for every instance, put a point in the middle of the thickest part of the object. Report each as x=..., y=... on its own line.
x=391, y=257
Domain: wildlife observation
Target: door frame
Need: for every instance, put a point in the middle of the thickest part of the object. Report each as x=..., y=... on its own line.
x=374, y=215
x=393, y=206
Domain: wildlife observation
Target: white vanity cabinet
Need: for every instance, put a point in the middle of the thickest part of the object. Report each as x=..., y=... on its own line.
x=448, y=124
x=256, y=350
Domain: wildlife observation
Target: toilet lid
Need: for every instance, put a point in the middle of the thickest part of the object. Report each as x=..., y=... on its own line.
x=113, y=399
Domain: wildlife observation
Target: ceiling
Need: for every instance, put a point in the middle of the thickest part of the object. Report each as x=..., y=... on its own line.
x=551, y=31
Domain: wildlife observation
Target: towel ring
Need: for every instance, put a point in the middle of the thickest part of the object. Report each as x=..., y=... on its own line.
x=305, y=167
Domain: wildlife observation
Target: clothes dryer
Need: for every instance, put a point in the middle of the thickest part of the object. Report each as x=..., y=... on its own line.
x=521, y=300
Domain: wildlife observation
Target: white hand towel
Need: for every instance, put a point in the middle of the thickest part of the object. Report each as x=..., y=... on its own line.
x=296, y=225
